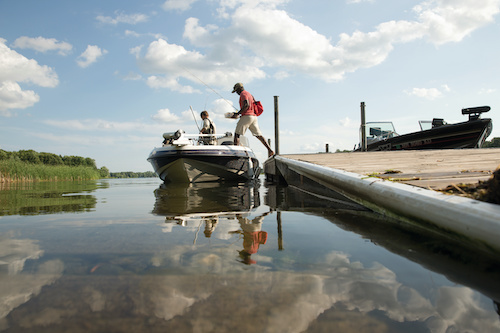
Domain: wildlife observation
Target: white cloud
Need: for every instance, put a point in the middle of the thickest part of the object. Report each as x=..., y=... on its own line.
x=485, y=91
x=446, y=88
x=123, y=18
x=261, y=35
x=15, y=69
x=13, y=97
x=136, y=51
x=164, y=57
x=174, y=61
x=131, y=76
x=131, y=33
x=170, y=83
x=91, y=54
x=42, y=44
x=165, y=116
x=427, y=93
x=197, y=34
x=347, y=122
x=358, y=1
x=281, y=75
x=180, y=5
x=450, y=21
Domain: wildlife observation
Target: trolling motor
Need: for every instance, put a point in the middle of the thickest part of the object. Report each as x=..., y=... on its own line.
x=170, y=137
x=475, y=113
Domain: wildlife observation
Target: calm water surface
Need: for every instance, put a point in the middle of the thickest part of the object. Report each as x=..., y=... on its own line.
x=141, y=256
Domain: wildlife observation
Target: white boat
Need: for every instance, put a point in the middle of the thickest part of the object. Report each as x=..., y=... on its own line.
x=192, y=158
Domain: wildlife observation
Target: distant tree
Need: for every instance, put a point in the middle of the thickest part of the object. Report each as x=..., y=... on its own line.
x=90, y=162
x=104, y=172
x=4, y=155
x=29, y=156
x=50, y=159
x=131, y=174
x=73, y=160
x=495, y=142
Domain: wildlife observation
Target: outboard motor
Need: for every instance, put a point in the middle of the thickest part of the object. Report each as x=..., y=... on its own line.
x=475, y=113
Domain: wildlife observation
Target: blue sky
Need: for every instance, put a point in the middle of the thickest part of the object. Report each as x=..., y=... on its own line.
x=105, y=79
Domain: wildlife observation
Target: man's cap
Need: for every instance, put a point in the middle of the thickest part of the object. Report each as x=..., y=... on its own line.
x=237, y=86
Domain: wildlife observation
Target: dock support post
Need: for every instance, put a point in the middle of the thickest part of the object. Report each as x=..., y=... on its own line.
x=363, y=127
x=276, y=127
x=280, y=232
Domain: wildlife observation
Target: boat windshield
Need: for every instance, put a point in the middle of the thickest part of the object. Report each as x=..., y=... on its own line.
x=180, y=138
x=376, y=131
x=425, y=124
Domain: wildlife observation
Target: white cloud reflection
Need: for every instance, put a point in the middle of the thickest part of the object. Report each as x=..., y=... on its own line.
x=17, y=287
x=210, y=289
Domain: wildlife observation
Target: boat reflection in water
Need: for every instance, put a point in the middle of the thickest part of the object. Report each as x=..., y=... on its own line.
x=211, y=203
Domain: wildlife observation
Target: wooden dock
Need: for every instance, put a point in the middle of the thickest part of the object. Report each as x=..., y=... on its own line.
x=435, y=169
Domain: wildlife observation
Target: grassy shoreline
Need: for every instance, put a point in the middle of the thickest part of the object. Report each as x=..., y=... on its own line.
x=12, y=170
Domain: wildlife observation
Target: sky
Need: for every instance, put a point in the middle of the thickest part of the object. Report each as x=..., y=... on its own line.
x=105, y=79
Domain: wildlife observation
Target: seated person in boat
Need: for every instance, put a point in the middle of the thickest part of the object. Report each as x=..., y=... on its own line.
x=208, y=128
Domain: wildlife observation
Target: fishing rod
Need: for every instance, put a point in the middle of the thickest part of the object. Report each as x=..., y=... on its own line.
x=206, y=85
x=196, y=122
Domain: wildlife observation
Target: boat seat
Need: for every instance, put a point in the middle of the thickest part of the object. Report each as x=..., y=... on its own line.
x=437, y=122
x=227, y=143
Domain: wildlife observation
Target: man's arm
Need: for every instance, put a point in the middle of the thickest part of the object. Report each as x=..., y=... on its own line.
x=245, y=106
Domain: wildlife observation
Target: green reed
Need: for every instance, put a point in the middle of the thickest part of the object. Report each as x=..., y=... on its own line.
x=15, y=170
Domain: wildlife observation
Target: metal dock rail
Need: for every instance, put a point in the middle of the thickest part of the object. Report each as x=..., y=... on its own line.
x=412, y=198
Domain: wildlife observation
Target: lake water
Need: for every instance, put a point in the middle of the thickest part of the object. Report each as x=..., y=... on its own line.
x=135, y=255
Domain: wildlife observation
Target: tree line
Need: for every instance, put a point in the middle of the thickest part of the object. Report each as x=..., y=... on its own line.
x=495, y=142
x=131, y=174
x=32, y=157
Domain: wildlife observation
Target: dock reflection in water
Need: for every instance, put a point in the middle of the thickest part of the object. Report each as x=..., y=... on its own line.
x=214, y=257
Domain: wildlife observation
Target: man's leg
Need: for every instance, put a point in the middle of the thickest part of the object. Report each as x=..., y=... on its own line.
x=236, y=139
x=270, y=152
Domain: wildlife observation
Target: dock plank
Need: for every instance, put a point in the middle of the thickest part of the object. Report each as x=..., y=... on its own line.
x=434, y=169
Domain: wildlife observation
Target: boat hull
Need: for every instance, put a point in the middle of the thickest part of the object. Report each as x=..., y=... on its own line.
x=193, y=164
x=470, y=134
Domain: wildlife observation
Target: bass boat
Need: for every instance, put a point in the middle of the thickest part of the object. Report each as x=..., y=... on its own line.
x=433, y=135
x=193, y=158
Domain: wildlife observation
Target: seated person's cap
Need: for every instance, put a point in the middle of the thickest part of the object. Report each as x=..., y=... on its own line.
x=237, y=86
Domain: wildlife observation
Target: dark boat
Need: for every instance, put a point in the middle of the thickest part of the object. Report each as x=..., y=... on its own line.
x=183, y=202
x=433, y=135
x=192, y=158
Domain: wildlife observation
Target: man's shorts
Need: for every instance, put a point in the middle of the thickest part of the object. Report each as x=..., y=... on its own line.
x=248, y=122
